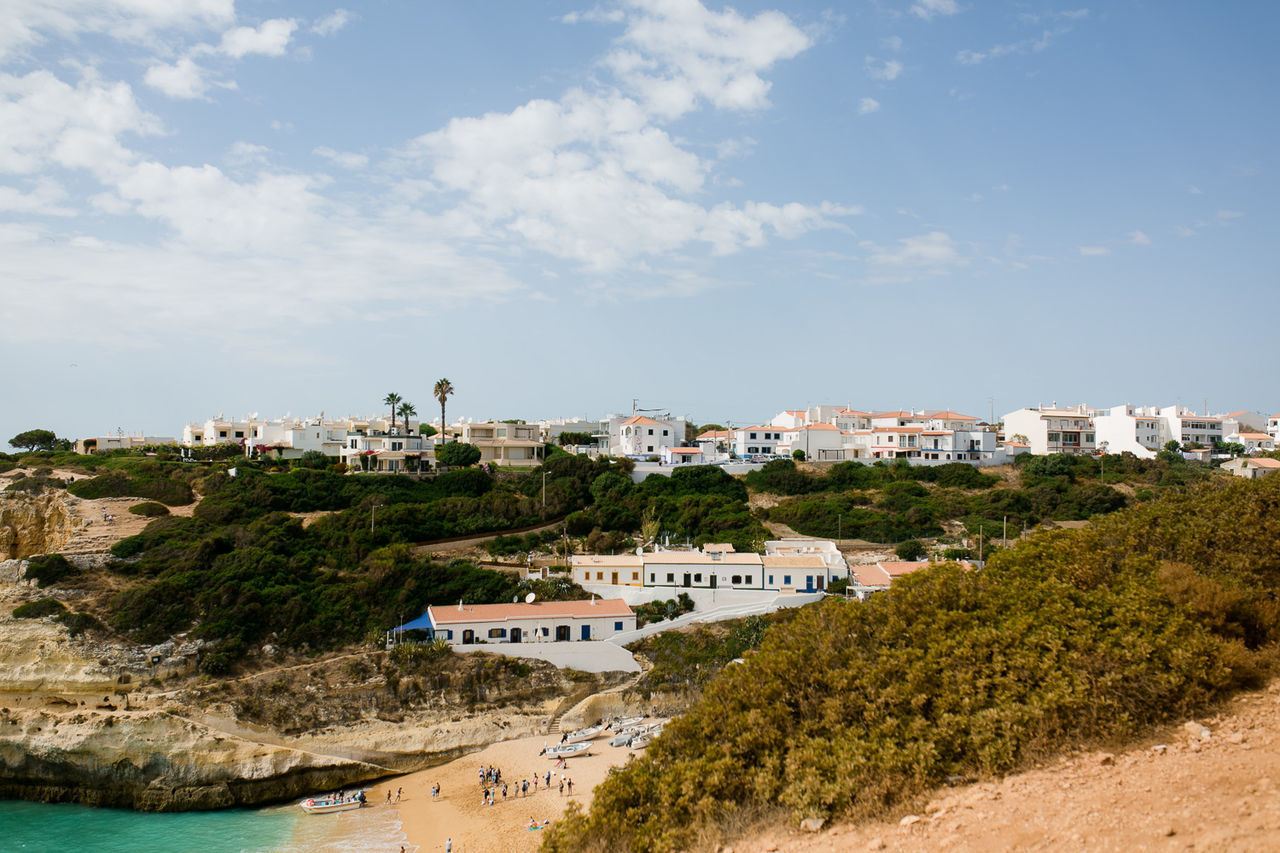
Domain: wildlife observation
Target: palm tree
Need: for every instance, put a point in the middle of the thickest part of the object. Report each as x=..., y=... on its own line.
x=407, y=411
x=442, y=391
x=393, y=399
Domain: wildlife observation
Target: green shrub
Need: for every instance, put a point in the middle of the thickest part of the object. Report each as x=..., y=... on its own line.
x=51, y=569
x=78, y=623
x=172, y=492
x=39, y=608
x=1073, y=636
x=911, y=549
x=35, y=484
x=149, y=509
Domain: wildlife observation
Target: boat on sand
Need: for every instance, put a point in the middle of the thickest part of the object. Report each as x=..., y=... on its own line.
x=327, y=804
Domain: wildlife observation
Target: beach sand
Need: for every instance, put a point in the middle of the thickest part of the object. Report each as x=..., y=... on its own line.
x=460, y=813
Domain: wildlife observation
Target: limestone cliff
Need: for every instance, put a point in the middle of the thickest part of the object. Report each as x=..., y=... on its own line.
x=34, y=523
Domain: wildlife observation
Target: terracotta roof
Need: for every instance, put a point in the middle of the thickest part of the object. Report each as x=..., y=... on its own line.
x=685, y=449
x=712, y=433
x=1260, y=436
x=853, y=412
x=1241, y=412
x=898, y=429
x=639, y=419
x=606, y=560
x=819, y=426
x=894, y=415
x=950, y=416
x=450, y=614
x=1263, y=462
x=700, y=559
x=870, y=575
x=723, y=547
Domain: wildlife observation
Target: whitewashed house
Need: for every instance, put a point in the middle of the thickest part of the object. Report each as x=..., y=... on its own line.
x=1254, y=442
x=215, y=431
x=1053, y=430
x=391, y=452
x=539, y=622
x=289, y=439
x=640, y=435
x=1252, y=469
x=787, y=566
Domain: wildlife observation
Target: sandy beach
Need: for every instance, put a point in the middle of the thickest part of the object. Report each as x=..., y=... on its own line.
x=459, y=813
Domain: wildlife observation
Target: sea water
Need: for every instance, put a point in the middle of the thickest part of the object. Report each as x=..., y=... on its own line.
x=282, y=829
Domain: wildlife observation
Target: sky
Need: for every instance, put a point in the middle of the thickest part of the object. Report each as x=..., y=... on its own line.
x=275, y=207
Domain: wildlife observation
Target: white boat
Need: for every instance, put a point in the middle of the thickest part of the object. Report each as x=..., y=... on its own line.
x=625, y=723
x=325, y=805
x=584, y=734
x=566, y=750
x=640, y=741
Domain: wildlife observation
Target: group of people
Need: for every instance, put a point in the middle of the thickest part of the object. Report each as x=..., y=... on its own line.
x=493, y=785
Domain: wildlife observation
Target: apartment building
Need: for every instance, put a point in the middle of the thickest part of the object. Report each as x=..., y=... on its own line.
x=1052, y=429
x=506, y=444
x=640, y=435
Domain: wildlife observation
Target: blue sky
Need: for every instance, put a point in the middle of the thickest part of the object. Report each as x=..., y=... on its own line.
x=272, y=207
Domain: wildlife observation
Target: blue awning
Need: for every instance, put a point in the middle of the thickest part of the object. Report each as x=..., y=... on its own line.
x=422, y=623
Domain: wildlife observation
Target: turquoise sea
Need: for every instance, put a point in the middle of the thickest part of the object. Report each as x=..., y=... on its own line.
x=283, y=829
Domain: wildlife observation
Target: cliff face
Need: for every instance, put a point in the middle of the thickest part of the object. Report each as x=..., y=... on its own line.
x=34, y=524
x=154, y=761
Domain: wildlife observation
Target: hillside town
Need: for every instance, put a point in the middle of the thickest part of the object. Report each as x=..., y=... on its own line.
x=824, y=433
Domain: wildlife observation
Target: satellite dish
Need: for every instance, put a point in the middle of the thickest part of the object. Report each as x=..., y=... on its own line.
x=515, y=598
x=528, y=599
x=640, y=551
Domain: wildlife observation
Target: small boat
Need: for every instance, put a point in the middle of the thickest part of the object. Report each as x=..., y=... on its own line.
x=327, y=804
x=566, y=750
x=623, y=739
x=584, y=734
x=625, y=723
x=640, y=741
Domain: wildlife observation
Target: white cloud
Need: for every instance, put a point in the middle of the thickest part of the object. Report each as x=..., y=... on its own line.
x=331, y=23
x=28, y=23
x=1194, y=190
x=867, y=106
x=182, y=79
x=269, y=39
x=43, y=199
x=594, y=15
x=1229, y=214
x=891, y=42
x=1029, y=45
x=245, y=153
x=883, y=69
x=921, y=256
x=1138, y=238
x=676, y=53
x=1094, y=251
x=345, y=159
x=927, y=9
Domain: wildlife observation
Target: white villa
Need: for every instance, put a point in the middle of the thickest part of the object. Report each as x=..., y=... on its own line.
x=789, y=565
x=1054, y=430
x=388, y=452
x=506, y=444
x=643, y=436
x=538, y=622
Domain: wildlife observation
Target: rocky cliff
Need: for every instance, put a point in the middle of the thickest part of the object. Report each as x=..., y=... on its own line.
x=35, y=523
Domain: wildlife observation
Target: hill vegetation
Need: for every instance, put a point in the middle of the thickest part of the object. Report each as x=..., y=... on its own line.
x=1072, y=636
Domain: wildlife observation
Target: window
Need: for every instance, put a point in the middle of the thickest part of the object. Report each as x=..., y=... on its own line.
x=752, y=436
x=448, y=635
x=1053, y=436
x=748, y=580
x=1088, y=437
x=497, y=633
x=617, y=626
x=664, y=432
x=650, y=432
x=599, y=576
x=770, y=580
x=239, y=433
x=786, y=580
x=651, y=446
x=222, y=433
x=652, y=578
x=697, y=578
x=671, y=578
x=736, y=580
x=635, y=576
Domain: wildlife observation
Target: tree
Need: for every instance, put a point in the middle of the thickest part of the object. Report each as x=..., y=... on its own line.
x=911, y=549
x=427, y=429
x=393, y=399
x=407, y=411
x=35, y=439
x=567, y=438
x=797, y=455
x=457, y=454
x=442, y=391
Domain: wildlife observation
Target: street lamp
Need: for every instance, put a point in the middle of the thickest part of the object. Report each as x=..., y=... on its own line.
x=373, y=513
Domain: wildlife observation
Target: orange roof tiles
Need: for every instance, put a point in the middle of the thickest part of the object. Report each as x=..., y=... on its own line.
x=450, y=614
x=950, y=416
x=639, y=419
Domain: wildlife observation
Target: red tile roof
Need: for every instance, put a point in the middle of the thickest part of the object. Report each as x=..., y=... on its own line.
x=449, y=614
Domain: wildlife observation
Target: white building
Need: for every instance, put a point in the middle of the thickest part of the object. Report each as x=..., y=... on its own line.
x=1254, y=442
x=103, y=443
x=539, y=622
x=506, y=444
x=215, y=431
x=820, y=442
x=752, y=441
x=683, y=456
x=289, y=439
x=1141, y=431
x=1053, y=429
x=1252, y=469
x=878, y=577
x=639, y=435
x=1186, y=427
x=789, y=566
x=388, y=452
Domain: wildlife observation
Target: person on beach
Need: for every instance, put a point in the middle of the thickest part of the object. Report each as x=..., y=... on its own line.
x=562, y=786
x=399, y=794
x=504, y=792
x=549, y=777
x=388, y=796
x=524, y=788
x=571, y=787
x=448, y=845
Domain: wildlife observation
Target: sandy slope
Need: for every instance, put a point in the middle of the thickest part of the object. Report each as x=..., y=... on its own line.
x=1203, y=785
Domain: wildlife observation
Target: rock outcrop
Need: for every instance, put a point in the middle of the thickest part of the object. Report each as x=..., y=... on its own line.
x=35, y=523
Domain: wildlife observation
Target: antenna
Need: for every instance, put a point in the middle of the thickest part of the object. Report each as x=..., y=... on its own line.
x=528, y=599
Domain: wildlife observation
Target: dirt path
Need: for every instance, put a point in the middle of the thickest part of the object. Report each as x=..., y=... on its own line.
x=1210, y=785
